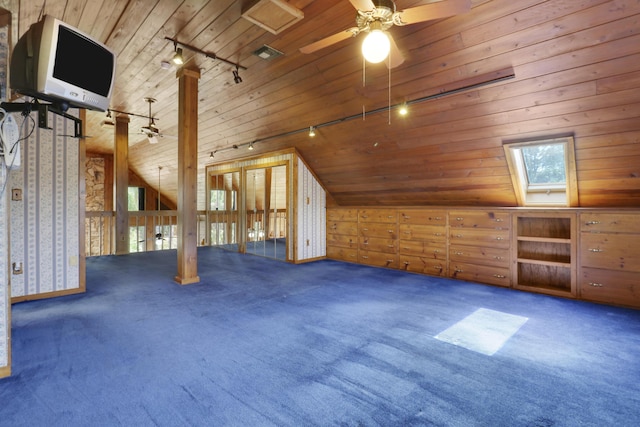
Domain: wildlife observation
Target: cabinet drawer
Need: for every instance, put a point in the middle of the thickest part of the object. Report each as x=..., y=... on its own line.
x=478, y=237
x=613, y=287
x=378, y=244
x=378, y=230
x=348, y=228
x=422, y=264
x=610, y=251
x=610, y=222
x=480, y=219
x=377, y=215
x=481, y=255
x=432, y=250
x=433, y=233
x=424, y=217
x=342, y=254
x=480, y=273
x=378, y=259
x=342, y=241
x=342, y=215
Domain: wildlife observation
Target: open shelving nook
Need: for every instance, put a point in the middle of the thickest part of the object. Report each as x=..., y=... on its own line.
x=545, y=252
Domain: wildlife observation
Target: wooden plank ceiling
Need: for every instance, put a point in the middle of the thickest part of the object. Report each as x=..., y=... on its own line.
x=576, y=67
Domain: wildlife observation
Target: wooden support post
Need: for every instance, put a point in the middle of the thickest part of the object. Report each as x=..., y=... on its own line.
x=187, y=176
x=121, y=184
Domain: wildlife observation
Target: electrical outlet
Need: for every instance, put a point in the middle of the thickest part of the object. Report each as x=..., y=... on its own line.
x=16, y=268
x=16, y=194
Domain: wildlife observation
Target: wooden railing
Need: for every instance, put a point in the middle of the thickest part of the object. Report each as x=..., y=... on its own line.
x=148, y=231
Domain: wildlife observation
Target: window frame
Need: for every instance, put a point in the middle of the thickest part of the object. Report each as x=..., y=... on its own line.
x=537, y=194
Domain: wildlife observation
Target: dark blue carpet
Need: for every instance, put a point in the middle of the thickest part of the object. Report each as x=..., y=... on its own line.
x=260, y=342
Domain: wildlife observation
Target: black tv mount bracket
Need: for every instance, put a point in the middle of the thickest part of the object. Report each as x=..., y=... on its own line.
x=43, y=117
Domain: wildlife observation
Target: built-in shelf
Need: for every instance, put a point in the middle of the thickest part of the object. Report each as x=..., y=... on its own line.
x=544, y=252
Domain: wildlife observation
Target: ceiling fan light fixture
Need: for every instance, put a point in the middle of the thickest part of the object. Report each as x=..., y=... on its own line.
x=376, y=46
x=152, y=139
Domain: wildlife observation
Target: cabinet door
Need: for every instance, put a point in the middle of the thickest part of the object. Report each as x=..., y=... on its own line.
x=433, y=250
x=480, y=273
x=342, y=241
x=479, y=237
x=422, y=217
x=610, y=222
x=610, y=251
x=432, y=233
x=378, y=259
x=378, y=244
x=613, y=287
x=480, y=219
x=342, y=254
x=478, y=255
x=335, y=214
x=376, y=229
x=422, y=264
x=347, y=228
x=377, y=215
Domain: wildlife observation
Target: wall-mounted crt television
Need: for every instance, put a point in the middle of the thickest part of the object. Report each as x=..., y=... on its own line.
x=55, y=62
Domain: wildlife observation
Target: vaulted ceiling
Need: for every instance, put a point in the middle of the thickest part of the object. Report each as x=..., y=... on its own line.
x=505, y=70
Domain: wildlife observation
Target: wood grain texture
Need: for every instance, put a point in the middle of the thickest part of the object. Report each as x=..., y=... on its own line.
x=576, y=65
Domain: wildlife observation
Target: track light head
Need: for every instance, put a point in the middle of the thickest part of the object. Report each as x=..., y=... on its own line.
x=312, y=131
x=177, y=58
x=236, y=76
x=250, y=146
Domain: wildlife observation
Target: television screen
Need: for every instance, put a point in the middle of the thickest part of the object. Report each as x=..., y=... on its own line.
x=72, y=48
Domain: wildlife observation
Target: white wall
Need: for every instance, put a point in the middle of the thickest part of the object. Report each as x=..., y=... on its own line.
x=44, y=225
x=311, y=212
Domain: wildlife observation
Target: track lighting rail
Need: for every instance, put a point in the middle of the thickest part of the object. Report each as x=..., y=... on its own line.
x=205, y=53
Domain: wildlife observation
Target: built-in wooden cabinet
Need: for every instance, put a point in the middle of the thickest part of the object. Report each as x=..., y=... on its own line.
x=610, y=257
x=342, y=234
x=378, y=237
x=574, y=253
x=479, y=244
x=544, y=252
x=422, y=244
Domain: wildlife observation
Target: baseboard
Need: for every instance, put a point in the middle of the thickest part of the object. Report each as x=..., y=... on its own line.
x=302, y=261
x=47, y=295
x=5, y=371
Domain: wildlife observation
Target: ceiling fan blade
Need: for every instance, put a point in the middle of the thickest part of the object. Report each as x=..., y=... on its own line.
x=395, y=57
x=427, y=12
x=328, y=41
x=363, y=4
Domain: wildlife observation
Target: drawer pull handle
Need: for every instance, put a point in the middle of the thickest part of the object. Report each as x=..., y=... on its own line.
x=365, y=257
x=499, y=276
x=390, y=231
x=458, y=235
x=406, y=232
x=437, y=251
x=405, y=248
x=457, y=270
x=438, y=218
x=459, y=253
x=390, y=246
x=407, y=263
x=498, y=238
x=390, y=261
x=499, y=220
x=438, y=267
x=365, y=216
x=437, y=234
x=389, y=216
x=596, y=285
x=592, y=222
x=497, y=257
x=365, y=229
x=407, y=217
x=459, y=218
x=595, y=250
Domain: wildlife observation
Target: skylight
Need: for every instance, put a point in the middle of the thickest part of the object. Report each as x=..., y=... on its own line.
x=543, y=171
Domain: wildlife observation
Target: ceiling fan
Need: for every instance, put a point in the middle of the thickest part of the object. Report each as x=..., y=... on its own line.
x=375, y=17
x=151, y=131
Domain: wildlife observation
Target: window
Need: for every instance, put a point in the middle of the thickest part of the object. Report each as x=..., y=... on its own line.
x=135, y=199
x=543, y=171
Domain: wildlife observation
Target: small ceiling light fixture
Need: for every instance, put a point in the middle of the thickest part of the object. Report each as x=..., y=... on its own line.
x=312, y=131
x=236, y=76
x=403, y=110
x=267, y=52
x=211, y=155
x=177, y=58
x=376, y=46
x=108, y=122
x=250, y=146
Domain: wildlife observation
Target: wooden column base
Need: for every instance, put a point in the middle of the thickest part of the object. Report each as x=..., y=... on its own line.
x=186, y=280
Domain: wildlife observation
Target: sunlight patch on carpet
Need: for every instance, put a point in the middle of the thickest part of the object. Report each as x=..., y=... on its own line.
x=484, y=331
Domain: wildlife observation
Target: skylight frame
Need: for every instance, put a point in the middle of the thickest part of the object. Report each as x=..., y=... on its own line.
x=549, y=194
